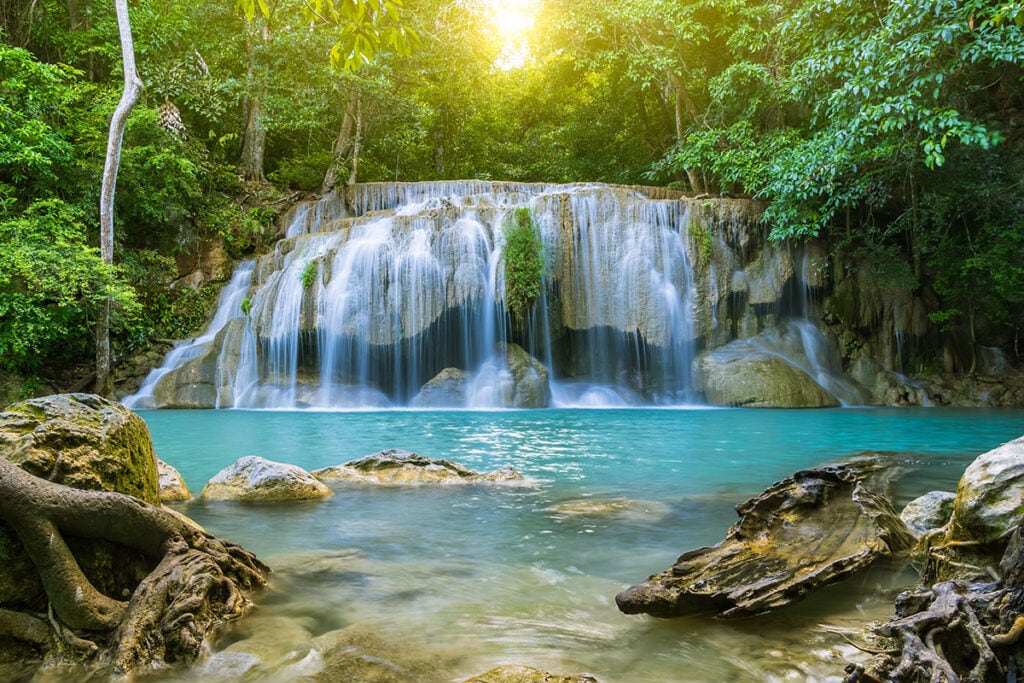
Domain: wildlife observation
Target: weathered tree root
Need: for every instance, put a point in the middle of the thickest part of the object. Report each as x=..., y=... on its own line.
x=955, y=630
x=197, y=583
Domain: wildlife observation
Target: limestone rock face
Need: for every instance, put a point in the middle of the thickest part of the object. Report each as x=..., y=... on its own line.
x=530, y=387
x=172, y=485
x=192, y=385
x=398, y=467
x=743, y=376
x=84, y=441
x=766, y=560
x=259, y=480
x=515, y=673
x=447, y=389
x=990, y=496
x=927, y=512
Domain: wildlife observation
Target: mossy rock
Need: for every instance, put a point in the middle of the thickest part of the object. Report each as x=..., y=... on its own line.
x=84, y=441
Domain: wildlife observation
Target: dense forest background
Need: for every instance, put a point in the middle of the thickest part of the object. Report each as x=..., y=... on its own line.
x=892, y=128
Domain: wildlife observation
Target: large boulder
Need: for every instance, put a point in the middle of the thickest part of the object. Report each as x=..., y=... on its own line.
x=192, y=384
x=84, y=441
x=742, y=375
x=990, y=496
x=256, y=479
x=87, y=442
x=397, y=467
x=530, y=387
x=446, y=390
x=767, y=561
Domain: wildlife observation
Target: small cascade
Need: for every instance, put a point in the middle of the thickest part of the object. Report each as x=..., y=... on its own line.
x=392, y=294
x=229, y=306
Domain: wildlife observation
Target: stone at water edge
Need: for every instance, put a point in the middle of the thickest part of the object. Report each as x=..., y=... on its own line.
x=530, y=387
x=86, y=442
x=928, y=512
x=83, y=441
x=396, y=466
x=258, y=480
x=766, y=562
x=515, y=673
x=172, y=485
x=990, y=496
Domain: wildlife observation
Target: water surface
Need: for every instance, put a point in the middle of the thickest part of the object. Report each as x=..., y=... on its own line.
x=469, y=577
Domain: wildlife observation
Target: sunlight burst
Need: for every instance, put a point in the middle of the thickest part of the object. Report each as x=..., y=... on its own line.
x=512, y=21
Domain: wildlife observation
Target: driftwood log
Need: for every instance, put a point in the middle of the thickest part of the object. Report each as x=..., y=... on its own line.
x=196, y=583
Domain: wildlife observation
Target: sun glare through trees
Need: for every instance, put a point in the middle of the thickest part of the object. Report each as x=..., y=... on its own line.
x=512, y=21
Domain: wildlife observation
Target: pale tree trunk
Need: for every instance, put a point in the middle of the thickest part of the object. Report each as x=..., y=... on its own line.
x=683, y=102
x=342, y=145
x=129, y=96
x=358, y=139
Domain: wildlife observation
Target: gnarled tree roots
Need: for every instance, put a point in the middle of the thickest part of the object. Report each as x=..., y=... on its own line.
x=197, y=583
x=956, y=630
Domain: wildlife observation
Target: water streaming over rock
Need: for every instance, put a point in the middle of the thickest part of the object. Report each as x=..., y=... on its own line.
x=382, y=291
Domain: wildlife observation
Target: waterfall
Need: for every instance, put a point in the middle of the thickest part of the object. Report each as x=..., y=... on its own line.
x=229, y=306
x=392, y=294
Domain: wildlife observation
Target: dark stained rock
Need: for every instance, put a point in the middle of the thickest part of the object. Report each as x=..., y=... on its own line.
x=805, y=532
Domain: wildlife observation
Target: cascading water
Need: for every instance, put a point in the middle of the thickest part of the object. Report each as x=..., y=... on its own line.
x=229, y=306
x=393, y=294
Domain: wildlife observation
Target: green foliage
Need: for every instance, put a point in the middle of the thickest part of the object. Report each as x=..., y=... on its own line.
x=33, y=149
x=524, y=262
x=51, y=284
x=246, y=305
x=304, y=171
x=309, y=274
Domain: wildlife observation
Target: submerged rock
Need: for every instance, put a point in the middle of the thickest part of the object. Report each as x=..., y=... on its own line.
x=609, y=507
x=515, y=673
x=446, y=390
x=172, y=485
x=800, y=534
x=927, y=512
x=396, y=466
x=259, y=480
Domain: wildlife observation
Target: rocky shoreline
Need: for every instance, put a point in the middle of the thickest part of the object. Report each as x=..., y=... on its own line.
x=801, y=534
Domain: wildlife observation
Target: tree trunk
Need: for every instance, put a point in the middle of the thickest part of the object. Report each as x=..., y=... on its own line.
x=358, y=139
x=342, y=146
x=196, y=583
x=254, y=139
x=129, y=96
x=683, y=101
x=254, y=135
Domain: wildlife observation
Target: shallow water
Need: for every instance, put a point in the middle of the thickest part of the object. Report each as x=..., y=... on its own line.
x=446, y=582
